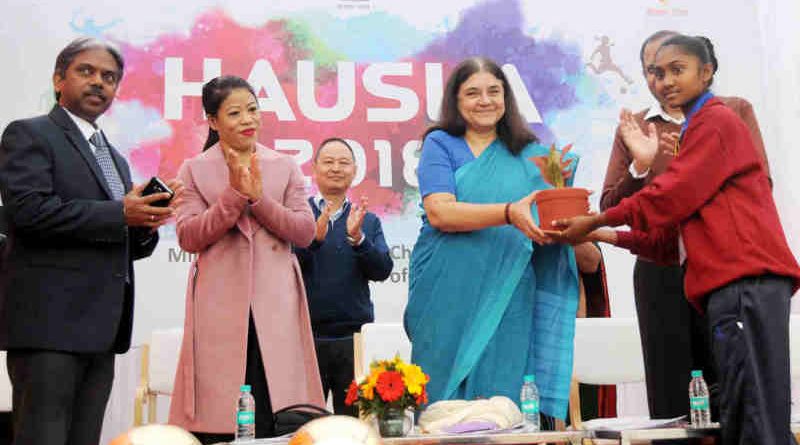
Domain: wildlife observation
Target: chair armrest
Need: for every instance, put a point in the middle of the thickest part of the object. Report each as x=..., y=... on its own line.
x=358, y=357
x=575, y=405
x=143, y=389
x=138, y=402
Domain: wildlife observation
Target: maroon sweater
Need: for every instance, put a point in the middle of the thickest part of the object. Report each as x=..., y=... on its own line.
x=719, y=196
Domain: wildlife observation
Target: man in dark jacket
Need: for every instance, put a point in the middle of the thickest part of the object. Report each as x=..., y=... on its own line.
x=348, y=251
x=75, y=225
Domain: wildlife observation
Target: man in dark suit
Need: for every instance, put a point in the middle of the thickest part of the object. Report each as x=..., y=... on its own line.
x=75, y=226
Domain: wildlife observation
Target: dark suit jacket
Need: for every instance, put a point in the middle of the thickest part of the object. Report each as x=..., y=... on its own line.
x=69, y=279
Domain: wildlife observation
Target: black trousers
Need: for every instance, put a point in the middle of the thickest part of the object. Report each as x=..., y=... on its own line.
x=59, y=398
x=6, y=436
x=335, y=358
x=749, y=325
x=256, y=378
x=674, y=340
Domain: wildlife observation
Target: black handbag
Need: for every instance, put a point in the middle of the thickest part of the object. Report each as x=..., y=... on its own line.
x=291, y=418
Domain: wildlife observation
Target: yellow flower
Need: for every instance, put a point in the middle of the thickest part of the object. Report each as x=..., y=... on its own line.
x=379, y=364
x=368, y=387
x=413, y=378
x=375, y=373
x=368, y=391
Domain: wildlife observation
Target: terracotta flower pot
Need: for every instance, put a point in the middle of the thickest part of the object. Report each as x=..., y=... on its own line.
x=561, y=203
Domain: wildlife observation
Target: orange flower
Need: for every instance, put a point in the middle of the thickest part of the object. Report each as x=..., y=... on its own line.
x=352, y=394
x=390, y=386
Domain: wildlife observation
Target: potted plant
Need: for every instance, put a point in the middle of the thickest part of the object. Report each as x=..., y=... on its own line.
x=392, y=387
x=560, y=201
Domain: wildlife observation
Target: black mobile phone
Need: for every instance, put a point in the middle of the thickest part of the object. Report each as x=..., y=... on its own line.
x=157, y=186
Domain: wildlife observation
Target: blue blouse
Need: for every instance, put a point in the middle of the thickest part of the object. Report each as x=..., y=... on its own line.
x=442, y=154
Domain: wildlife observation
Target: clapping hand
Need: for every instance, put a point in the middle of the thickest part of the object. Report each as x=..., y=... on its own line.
x=244, y=179
x=356, y=219
x=322, y=223
x=668, y=142
x=643, y=145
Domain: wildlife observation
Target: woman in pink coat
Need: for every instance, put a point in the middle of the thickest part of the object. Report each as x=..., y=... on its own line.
x=246, y=313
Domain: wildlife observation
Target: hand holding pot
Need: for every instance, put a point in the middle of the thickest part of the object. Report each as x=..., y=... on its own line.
x=519, y=215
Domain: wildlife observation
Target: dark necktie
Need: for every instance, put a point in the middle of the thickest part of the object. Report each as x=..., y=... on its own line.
x=103, y=156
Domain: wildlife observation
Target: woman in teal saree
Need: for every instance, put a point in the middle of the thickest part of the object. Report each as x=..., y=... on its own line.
x=486, y=305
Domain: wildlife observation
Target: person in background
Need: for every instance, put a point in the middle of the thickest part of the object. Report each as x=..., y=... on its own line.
x=673, y=335
x=246, y=313
x=348, y=251
x=739, y=268
x=76, y=223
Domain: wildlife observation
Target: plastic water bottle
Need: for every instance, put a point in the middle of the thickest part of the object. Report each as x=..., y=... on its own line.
x=698, y=401
x=245, y=415
x=529, y=401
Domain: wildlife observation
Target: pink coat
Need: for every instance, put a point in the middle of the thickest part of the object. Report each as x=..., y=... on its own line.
x=244, y=263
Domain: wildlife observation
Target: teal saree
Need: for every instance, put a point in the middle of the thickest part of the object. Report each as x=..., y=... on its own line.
x=489, y=306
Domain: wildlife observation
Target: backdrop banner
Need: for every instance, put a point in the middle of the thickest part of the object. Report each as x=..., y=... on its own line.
x=372, y=71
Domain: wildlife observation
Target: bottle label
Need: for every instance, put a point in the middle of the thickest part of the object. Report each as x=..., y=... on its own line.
x=530, y=407
x=245, y=418
x=698, y=402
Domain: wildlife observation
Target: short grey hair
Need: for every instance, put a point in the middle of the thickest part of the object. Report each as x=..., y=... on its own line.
x=81, y=44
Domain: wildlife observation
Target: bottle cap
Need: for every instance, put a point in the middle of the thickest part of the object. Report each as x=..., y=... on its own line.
x=244, y=388
x=697, y=373
x=529, y=379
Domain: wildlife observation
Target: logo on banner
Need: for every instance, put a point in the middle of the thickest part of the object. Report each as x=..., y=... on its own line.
x=354, y=5
x=666, y=8
x=600, y=62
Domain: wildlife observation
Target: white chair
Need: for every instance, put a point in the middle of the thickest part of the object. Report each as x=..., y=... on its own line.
x=5, y=385
x=159, y=362
x=379, y=341
x=608, y=351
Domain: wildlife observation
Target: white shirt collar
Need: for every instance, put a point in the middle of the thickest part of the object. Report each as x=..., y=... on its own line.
x=319, y=201
x=87, y=128
x=656, y=110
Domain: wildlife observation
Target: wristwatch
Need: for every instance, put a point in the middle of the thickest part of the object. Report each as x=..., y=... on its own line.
x=353, y=241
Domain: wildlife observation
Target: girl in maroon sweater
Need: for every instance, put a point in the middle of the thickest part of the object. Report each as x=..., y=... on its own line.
x=713, y=210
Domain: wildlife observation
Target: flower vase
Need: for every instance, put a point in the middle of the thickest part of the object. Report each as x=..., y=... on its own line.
x=392, y=423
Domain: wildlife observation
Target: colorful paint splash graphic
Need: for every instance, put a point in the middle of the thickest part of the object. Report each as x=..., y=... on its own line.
x=552, y=70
